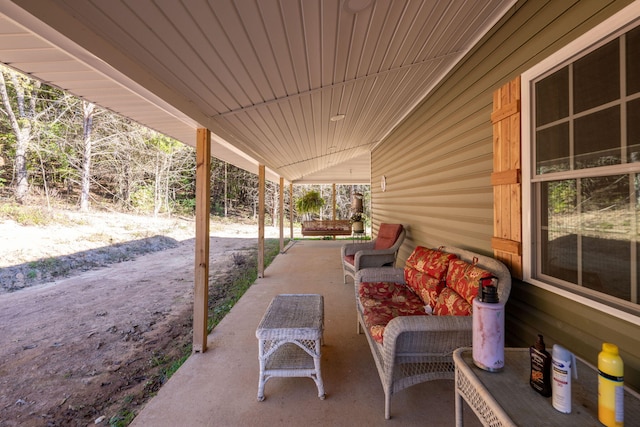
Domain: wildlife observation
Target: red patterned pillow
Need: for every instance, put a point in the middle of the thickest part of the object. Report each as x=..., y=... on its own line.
x=464, y=278
x=451, y=304
x=430, y=261
x=428, y=288
x=424, y=272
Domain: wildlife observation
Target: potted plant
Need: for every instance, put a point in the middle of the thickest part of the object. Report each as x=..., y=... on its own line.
x=357, y=222
x=310, y=203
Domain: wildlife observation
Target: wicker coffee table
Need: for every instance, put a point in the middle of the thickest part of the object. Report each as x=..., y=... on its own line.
x=289, y=339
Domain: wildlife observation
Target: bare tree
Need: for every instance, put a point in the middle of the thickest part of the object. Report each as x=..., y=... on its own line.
x=21, y=126
x=88, y=109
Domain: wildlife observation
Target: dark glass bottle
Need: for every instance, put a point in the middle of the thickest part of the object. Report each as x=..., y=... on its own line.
x=540, y=378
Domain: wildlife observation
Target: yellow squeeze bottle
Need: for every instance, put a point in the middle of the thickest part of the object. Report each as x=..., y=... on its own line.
x=610, y=386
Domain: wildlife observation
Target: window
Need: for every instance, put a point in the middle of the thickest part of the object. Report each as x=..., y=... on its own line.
x=583, y=175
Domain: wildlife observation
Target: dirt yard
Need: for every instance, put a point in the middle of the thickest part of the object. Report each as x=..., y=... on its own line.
x=91, y=312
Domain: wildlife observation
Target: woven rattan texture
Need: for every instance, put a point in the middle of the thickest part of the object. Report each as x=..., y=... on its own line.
x=416, y=349
x=506, y=399
x=290, y=339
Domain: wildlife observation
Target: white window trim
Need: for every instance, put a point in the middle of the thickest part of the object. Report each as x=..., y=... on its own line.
x=621, y=19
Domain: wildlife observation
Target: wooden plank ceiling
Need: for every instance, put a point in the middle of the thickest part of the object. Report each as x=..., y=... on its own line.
x=266, y=76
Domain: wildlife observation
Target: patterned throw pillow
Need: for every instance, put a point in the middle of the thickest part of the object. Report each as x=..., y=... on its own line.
x=430, y=261
x=424, y=272
x=464, y=278
x=426, y=287
x=451, y=304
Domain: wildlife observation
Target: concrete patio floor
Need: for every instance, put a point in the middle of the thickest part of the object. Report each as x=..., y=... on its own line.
x=219, y=387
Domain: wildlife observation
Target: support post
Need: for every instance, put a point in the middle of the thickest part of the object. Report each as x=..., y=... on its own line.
x=201, y=285
x=261, y=215
x=281, y=214
x=291, y=205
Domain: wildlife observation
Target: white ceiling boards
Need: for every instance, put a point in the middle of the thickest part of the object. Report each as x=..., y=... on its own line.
x=265, y=76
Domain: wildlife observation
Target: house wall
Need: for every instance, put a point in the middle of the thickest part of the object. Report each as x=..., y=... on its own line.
x=438, y=164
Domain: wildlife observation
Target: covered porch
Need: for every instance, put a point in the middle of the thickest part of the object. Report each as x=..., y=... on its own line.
x=219, y=387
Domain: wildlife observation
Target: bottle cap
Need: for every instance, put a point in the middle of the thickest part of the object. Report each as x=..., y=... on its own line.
x=490, y=294
x=540, y=343
x=609, y=348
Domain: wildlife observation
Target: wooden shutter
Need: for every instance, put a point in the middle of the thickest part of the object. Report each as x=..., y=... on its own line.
x=506, y=177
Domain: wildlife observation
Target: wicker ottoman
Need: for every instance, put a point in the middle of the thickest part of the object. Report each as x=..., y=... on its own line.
x=289, y=339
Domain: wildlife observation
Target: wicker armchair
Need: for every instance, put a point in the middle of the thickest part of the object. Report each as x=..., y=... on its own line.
x=379, y=252
x=417, y=349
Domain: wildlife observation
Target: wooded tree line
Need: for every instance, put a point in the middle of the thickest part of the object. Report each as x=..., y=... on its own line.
x=61, y=148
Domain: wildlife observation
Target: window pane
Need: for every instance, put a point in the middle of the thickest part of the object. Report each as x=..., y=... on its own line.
x=597, y=139
x=552, y=97
x=606, y=266
x=596, y=77
x=552, y=149
x=633, y=130
x=559, y=228
x=633, y=61
x=607, y=229
x=586, y=240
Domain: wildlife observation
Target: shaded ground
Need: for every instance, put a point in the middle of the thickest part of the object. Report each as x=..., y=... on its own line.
x=93, y=345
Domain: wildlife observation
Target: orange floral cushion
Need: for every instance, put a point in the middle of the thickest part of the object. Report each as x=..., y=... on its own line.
x=464, y=278
x=451, y=304
x=425, y=271
x=380, y=290
x=376, y=317
x=432, y=262
x=384, y=301
x=428, y=288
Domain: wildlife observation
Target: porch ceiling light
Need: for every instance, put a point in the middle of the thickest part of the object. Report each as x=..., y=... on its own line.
x=355, y=6
x=337, y=117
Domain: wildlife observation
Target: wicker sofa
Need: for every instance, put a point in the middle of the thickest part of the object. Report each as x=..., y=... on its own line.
x=394, y=305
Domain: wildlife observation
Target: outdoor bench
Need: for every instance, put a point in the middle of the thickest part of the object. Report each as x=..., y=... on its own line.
x=340, y=227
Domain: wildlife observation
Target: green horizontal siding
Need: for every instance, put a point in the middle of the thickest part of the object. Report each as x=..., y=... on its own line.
x=438, y=165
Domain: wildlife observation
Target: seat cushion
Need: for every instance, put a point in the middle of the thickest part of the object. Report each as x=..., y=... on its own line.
x=383, y=301
x=383, y=291
x=351, y=259
x=387, y=236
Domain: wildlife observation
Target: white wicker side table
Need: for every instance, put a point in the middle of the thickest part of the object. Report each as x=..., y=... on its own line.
x=289, y=339
x=506, y=398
